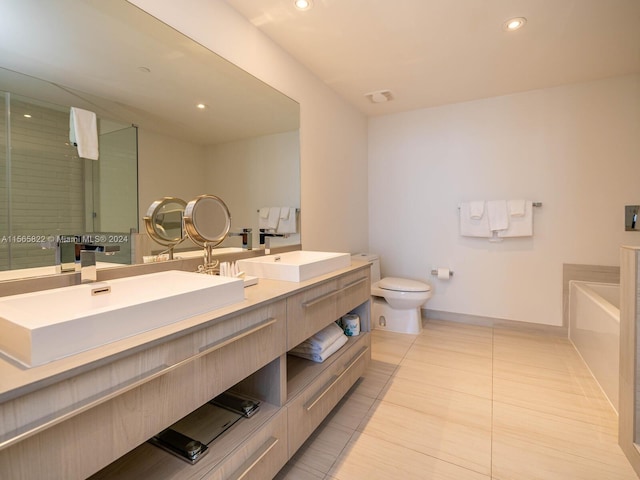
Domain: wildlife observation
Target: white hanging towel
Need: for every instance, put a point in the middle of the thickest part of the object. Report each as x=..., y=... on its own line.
x=517, y=208
x=263, y=217
x=476, y=209
x=288, y=221
x=498, y=215
x=473, y=227
x=274, y=217
x=83, y=132
x=519, y=225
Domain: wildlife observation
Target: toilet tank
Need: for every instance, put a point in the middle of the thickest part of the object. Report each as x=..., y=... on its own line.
x=374, y=259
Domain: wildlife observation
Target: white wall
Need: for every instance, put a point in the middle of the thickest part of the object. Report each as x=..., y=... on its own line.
x=574, y=148
x=168, y=167
x=334, y=213
x=253, y=173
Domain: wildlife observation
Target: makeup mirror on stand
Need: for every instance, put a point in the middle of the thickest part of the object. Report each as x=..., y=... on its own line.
x=207, y=222
x=163, y=222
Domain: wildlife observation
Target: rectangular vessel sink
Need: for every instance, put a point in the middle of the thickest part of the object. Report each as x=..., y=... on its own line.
x=296, y=266
x=39, y=327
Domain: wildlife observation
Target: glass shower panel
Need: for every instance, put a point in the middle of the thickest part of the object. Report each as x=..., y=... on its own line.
x=47, y=181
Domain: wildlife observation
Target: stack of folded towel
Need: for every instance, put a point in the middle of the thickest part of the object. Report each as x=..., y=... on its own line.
x=322, y=345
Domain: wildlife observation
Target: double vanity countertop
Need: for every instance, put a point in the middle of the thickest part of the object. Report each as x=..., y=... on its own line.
x=17, y=380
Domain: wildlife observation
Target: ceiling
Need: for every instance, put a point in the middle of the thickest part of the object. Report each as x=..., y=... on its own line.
x=113, y=58
x=435, y=52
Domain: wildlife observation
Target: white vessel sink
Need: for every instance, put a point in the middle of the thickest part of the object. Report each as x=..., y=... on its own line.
x=296, y=266
x=36, y=328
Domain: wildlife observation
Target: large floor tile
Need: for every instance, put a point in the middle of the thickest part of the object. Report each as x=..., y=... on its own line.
x=597, y=441
x=577, y=383
x=372, y=458
x=470, y=344
x=293, y=471
x=351, y=410
x=446, y=358
x=374, y=379
x=449, y=405
x=455, y=379
x=596, y=410
x=517, y=459
x=464, y=445
x=457, y=328
x=320, y=451
x=390, y=347
x=564, y=359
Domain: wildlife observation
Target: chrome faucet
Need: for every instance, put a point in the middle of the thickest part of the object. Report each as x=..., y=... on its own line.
x=265, y=239
x=85, y=259
x=247, y=237
x=65, y=252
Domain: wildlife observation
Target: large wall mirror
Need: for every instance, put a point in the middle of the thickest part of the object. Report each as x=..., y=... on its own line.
x=145, y=81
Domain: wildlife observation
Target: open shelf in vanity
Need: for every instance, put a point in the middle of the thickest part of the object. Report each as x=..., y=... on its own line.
x=251, y=358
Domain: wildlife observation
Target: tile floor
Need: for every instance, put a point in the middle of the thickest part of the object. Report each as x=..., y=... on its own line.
x=462, y=402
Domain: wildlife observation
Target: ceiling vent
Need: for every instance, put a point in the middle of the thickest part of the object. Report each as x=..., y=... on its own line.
x=379, y=96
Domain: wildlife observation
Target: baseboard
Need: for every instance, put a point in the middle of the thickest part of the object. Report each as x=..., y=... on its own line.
x=494, y=322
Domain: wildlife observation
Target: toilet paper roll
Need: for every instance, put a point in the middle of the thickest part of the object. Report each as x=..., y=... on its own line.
x=444, y=274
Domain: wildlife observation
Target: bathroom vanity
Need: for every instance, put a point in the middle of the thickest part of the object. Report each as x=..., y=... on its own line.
x=91, y=414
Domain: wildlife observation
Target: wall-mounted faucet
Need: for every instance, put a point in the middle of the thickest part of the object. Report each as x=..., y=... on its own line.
x=247, y=237
x=265, y=239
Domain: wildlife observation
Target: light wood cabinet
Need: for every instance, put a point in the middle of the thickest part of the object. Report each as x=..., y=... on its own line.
x=314, y=402
x=95, y=420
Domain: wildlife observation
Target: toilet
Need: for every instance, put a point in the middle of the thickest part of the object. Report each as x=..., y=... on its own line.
x=395, y=302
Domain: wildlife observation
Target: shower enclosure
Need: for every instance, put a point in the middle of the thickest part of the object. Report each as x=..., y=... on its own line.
x=47, y=191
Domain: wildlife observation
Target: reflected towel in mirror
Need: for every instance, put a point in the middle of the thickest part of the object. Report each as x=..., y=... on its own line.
x=83, y=132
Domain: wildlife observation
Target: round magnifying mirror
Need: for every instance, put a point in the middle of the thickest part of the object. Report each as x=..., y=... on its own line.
x=163, y=221
x=207, y=220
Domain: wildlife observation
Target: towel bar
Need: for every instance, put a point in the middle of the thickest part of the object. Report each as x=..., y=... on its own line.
x=533, y=204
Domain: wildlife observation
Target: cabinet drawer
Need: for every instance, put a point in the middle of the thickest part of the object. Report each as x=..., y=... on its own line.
x=354, y=289
x=308, y=410
x=240, y=357
x=260, y=457
x=311, y=311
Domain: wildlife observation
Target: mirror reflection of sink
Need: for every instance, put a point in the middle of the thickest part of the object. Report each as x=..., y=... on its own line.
x=296, y=266
x=39, y=327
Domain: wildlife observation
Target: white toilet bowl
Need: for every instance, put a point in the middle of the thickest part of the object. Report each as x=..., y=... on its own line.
x=396, y=304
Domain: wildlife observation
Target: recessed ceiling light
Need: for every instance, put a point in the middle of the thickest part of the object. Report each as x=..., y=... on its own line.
x=201, y=106
x=26, y=115
x=514, y=24
x=303, y=4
